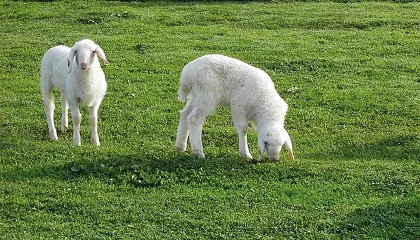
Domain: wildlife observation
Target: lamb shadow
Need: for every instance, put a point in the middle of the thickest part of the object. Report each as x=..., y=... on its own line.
x=148, y=172
x=387, y=221
x=133, y=170
x=404, y=147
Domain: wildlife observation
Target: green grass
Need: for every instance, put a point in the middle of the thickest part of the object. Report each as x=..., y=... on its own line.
x=349, y=71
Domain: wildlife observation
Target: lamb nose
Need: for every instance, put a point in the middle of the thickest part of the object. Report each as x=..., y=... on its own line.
x=83, y=65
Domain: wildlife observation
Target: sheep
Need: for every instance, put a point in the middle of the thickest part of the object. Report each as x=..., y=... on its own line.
x=77, y=74
x=216, y=80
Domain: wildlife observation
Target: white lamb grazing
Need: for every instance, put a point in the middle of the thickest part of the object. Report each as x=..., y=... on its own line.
x=77, y=74
x=213, y=80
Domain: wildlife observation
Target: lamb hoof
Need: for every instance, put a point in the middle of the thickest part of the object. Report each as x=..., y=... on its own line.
x=95, y=142
x=247, y=156
x=181, y=148
x=53, y=137
x=199, y=155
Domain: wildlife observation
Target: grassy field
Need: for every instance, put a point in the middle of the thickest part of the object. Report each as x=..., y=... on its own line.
x=350, y=73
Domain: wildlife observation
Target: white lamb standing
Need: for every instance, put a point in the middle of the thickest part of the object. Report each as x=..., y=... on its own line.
x=213, y=80
x=77, y=74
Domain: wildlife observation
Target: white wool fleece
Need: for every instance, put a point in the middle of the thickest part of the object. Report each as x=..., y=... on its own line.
x=77, y=74
x=213, y=80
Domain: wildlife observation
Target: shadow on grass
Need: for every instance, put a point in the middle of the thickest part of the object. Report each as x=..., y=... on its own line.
x=148, y=172
x=130, y=169
x=394, y=148
x=169, y=168
x=388, y=221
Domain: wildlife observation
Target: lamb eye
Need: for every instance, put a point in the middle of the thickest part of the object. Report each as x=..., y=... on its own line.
x=93, y=52
x=75, y=52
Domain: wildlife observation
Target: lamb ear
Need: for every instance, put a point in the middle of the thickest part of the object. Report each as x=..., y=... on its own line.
x=101, y=54
x=261, y=146
x=70, y=59
x=288, y=146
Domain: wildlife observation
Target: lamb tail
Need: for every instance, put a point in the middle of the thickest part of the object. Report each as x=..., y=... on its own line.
x=183, y=92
